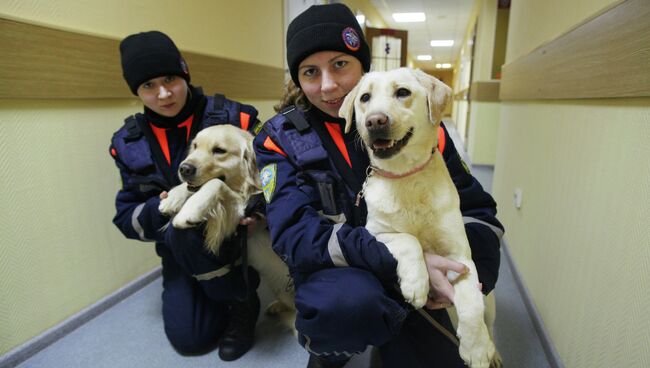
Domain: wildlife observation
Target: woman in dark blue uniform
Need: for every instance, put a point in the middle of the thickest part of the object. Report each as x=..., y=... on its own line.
x=311, y=173
x=205, y=298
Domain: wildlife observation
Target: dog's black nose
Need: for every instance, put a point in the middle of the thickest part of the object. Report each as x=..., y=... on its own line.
x=187, y=170
x=376, y=121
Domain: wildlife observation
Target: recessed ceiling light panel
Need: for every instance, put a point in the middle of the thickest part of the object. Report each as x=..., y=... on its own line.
x=409, y=17
x=442, y=43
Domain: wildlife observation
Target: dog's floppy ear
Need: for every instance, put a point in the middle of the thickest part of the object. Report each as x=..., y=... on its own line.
x=438, y=94
x=249, y=166
x=347, y=108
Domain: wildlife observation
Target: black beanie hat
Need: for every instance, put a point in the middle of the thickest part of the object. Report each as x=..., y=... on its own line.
x=148, y=55
x=330, y=27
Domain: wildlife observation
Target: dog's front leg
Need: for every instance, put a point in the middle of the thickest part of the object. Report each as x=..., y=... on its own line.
x=175, y=199
x=195, y=209
x=411, y=269
x=476, y=346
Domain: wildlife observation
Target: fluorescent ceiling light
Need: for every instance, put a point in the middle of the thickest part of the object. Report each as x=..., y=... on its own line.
x=446, y=65
x=442, y=43
x=438, y=66
x=361, y=19
x=424, y=57
x=409, y=17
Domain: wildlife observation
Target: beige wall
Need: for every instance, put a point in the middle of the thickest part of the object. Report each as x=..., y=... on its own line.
x=483, y=126
x=367, y=9
x=537, y=22
x=581, y=239
x=483, y=132
x=484, y=47
x=59, y=251
x=241, y=30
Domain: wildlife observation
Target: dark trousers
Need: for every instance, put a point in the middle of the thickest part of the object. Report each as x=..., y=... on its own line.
x=195, y=312
x=341, y=311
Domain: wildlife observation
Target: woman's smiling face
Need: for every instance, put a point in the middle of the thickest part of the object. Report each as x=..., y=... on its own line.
x=326, y=77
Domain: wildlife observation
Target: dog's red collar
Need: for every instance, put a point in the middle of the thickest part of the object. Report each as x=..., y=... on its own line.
x=389, y=175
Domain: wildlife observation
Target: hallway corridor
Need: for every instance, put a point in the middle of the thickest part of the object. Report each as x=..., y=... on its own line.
x=130, y=334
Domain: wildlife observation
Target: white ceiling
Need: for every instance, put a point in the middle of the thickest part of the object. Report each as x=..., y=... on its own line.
x=445, y=20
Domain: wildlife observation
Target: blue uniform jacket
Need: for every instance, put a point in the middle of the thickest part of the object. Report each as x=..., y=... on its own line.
x=311, y=210
x=145, y=175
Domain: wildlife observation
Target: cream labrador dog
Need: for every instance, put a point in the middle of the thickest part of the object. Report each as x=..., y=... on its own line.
x=413, y=205
x=219, y=176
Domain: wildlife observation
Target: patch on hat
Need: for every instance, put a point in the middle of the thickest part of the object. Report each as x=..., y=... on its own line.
x=267, y=177
x=184, y=66
x=351, y=39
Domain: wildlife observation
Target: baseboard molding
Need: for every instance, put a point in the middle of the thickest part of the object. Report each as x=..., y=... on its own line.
x=42, y=341
x=551, y=354
x=487, y=166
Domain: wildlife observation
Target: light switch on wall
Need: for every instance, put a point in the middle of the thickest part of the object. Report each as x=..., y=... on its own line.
x=517, y=197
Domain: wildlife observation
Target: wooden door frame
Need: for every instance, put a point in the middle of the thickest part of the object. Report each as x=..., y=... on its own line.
x=402, y=35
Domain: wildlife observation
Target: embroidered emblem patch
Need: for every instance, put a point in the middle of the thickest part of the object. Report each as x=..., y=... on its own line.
x=184, y=67
x=267, y=177
x=351, y=39
x=258, y=127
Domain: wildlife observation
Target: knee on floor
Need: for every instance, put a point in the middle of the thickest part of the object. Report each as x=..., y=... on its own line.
x=188, y=342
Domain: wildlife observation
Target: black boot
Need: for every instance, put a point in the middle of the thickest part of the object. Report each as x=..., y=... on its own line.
x=320, y=362
x=238, y=337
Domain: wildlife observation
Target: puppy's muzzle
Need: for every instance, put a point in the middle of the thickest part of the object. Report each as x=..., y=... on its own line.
x=187, y=171
x=380, y=137
x=377, y=125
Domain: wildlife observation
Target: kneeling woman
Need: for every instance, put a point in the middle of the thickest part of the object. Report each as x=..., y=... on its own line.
x=311, y=173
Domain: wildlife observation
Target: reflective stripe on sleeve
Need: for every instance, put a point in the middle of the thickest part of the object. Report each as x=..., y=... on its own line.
x=219, y=272
x=335, y=353
x=334, y=248
x=337, y=219
x=497, y=231
x=136, y=224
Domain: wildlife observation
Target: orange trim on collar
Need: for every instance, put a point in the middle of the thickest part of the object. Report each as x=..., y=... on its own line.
x=441, y=139
x=245, y=119
x=161, y=137
x=336, y=134
x=187, y=124
x=271, y=146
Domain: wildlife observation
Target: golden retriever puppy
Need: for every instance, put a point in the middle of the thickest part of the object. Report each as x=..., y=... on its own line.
x=413, y=205
x=219, y=176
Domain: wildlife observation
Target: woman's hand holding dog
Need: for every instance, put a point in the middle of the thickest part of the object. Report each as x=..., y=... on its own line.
x=253, y=221
x=441, y=291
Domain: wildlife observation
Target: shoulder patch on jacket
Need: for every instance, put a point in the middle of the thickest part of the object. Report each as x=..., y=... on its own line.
x=258, y=127
x=267, y=177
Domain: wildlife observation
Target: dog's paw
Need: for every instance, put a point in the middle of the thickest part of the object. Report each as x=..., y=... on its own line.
x=174, y=201
x=476, y=347
x=168, y=207
x=414, y=284
x=496, y=362
x=285, y=313
x=187, y=218
x=276, y=307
